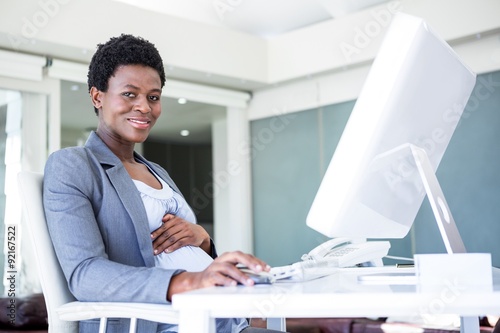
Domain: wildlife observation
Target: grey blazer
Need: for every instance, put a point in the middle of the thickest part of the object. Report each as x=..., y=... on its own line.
x=99, y=229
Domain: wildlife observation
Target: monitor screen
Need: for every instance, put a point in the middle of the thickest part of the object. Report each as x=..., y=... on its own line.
x=415, y=93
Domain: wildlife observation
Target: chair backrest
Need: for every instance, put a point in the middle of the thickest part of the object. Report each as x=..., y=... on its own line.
x=52, y=280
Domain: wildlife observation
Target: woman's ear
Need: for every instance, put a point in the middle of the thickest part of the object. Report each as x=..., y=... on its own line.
x=95, y=96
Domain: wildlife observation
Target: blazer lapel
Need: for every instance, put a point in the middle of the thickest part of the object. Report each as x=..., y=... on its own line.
x=127, y=192
x=132, y=202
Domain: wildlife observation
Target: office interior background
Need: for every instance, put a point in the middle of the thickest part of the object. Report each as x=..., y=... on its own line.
x=257, y=95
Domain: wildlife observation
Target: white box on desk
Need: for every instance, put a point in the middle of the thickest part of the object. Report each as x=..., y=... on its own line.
x=463, y=271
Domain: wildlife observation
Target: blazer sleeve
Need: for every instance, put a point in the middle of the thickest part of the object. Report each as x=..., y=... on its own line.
x=86, y=231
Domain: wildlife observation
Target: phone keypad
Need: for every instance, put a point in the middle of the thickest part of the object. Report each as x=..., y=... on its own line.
x=341, y=252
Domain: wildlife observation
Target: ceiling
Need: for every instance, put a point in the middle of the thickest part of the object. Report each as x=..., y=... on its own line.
x=263, y=18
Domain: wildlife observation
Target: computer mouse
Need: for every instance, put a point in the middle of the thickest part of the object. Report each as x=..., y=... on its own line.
x=258, y=278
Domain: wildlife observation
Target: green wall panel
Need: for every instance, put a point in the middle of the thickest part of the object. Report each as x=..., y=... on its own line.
x=286, y=172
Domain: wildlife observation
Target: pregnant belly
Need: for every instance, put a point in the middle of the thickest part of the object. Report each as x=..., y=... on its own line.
x=189, y=258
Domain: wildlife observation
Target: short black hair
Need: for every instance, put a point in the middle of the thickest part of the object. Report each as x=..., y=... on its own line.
x=118, y=51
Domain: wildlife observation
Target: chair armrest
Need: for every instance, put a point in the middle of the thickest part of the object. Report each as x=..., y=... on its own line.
x=76, y=311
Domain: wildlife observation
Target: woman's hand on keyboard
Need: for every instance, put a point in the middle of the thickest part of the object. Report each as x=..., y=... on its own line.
x=222, y=272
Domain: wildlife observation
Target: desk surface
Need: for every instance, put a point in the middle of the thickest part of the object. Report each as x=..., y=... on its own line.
x=338, y=295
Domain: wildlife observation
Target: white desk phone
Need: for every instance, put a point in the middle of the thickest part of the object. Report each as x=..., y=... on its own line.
x=333, y=254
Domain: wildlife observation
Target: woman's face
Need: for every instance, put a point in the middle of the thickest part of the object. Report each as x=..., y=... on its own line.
x=131, y=106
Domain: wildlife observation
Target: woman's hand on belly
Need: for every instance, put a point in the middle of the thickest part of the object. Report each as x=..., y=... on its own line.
x=175, y=232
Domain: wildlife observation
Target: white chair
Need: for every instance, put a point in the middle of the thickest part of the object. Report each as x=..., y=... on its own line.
x=63, y=310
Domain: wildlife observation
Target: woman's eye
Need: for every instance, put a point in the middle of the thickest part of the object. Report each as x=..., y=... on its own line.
x=154, y=98
x=128, y=94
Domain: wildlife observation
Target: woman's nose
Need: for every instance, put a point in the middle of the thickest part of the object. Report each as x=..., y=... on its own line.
x=142, y=105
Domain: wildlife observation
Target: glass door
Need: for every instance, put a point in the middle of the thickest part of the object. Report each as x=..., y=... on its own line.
x=23, y=146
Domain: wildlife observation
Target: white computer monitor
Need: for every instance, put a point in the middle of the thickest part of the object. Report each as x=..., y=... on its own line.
x=414, y=94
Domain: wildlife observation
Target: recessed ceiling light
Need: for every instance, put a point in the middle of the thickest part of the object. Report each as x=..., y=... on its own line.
x=74, y=87
x=184, y=132
x=182, y=101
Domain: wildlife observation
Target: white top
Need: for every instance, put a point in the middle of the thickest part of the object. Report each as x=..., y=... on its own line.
x=164, y=201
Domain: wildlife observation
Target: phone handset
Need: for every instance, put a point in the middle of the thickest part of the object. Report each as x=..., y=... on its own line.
x=320, y=251
x=346, y=252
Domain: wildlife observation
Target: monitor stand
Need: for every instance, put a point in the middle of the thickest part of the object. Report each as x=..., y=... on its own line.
x=444, y=219
x=416, y=167
x=447, y=227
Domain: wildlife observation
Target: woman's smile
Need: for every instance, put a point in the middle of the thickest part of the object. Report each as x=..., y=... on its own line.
x=140, y=122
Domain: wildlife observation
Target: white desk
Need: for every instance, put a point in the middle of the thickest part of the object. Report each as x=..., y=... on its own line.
x=338, y=295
